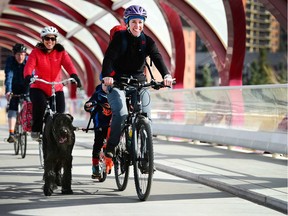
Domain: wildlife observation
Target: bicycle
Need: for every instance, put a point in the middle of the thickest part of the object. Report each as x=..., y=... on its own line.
x=105, y=163
x=136, y=145
x=20, y=132
x=50, y=111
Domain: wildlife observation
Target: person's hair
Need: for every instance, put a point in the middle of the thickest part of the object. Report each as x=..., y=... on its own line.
x=134, y=11
x=58, y=47
x=19, y=48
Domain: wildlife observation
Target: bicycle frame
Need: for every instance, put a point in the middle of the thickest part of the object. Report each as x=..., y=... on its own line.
x=20, y=134
x=140, y=153
x=53, y=109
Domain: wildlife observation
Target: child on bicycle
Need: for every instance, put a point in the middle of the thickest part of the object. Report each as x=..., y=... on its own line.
x=100, y=112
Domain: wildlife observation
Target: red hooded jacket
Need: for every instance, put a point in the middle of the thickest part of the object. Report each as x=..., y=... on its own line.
x=48, y=66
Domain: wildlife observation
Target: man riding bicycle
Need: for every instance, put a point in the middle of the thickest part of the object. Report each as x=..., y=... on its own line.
x=14, y=84
x=125, y=56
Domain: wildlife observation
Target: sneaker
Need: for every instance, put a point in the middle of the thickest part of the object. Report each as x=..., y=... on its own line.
x=35, y=136
x=109, y=151
x=11, y=138
x=96, y=172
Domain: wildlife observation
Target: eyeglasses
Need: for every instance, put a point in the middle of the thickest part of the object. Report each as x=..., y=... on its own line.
x=49, y=38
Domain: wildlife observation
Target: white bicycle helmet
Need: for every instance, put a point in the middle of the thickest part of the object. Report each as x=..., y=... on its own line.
x=49, y=30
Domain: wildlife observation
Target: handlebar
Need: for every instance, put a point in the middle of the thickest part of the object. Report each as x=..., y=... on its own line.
x=20, y=95
x=35, y=78
x=126, y=81
x=94, y=104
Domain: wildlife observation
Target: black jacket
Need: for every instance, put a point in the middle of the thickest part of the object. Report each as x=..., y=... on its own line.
x=126, y=56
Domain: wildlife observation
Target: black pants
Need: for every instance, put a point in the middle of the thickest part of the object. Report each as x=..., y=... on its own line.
x=100, y=135
x=39, y=100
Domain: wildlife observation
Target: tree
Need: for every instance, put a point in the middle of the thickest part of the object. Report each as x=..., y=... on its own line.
x=207, y=76
x=261, y=72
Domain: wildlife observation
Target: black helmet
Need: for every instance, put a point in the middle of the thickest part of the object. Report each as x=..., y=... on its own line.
x=19, y=48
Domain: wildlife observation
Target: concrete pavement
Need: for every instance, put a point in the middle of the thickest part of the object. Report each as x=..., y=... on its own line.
x=253, y=176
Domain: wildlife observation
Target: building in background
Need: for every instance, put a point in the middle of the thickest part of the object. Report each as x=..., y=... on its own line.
x=262, y=29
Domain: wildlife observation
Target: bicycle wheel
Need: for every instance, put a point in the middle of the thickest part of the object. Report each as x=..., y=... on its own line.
x=16, y=141
x=23, y=143
x=122, y=162
x=143, y=159
x=102, y=164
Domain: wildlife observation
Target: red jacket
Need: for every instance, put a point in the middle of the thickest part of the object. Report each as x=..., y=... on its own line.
x=47, y=66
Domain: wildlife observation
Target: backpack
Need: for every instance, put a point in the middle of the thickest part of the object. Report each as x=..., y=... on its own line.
x=121, y=30
x=115, y=29
x=25, y=117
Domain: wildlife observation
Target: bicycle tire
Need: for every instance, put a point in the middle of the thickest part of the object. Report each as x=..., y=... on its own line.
x=16, y=142
x=121, y=162
x=143, y=163
x=41, y=157
x=102, y=163
x=23, y=143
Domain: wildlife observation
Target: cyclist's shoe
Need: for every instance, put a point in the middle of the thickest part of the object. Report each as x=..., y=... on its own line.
x=35, y=136
x=109, y=151
x=96, y=171
x=11, y=138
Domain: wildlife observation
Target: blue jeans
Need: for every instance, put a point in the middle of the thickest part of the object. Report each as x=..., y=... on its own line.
x=117, y=101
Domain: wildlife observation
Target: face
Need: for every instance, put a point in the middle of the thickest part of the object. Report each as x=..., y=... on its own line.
x=136, y=26
x=20, y=57
x=49, y=41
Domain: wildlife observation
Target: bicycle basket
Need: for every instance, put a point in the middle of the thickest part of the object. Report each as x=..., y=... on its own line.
x=26, y=116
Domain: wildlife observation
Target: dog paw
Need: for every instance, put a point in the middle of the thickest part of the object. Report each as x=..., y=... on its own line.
x=67, y=191
x=58, y=181
x=47, y=191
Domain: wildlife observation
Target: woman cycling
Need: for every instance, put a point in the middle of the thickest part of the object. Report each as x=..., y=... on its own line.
x=46, y=61
x=125, y=56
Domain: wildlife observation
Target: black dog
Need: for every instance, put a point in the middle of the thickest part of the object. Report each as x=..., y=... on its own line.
x=58, y=143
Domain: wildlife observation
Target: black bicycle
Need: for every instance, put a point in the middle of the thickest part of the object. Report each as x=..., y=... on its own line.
x=136, y=143
x=49, y=110
x=20, y=142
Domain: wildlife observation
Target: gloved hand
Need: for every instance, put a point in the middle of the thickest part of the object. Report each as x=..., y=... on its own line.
x=8, y=96
x=74, y=76
x=168, y=80
x=90, y=106
x=27, y=98
x=27, y=81
x=27, y=84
